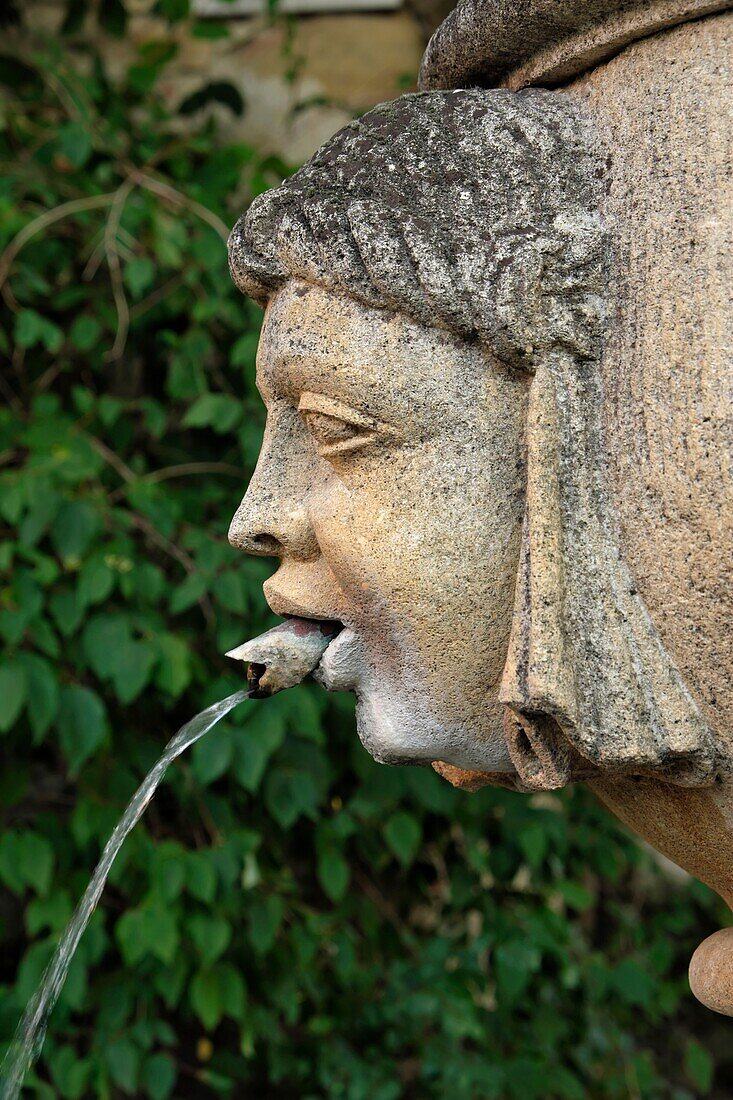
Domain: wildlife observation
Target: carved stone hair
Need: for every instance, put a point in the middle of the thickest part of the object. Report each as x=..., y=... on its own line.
x=468, y=210
x=479, y=211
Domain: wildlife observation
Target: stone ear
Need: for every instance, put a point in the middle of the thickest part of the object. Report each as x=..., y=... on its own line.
x=587, y=682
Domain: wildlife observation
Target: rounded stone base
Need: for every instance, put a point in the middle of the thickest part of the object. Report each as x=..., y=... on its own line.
x=711, y=972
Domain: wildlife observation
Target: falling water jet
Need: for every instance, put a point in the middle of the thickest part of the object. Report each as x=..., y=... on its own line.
x=278, y=659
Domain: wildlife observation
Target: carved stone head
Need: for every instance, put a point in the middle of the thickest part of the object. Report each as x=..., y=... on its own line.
x=436, y=286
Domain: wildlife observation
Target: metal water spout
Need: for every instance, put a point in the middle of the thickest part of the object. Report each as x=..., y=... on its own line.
x=285, y=655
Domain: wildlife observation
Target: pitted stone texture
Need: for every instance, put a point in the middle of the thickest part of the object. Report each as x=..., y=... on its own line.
x=477, y=212
x=493, y=359
x=492, y=43
x=665, y=110
x=469, y=210
x=371, y=477
x=711, y=972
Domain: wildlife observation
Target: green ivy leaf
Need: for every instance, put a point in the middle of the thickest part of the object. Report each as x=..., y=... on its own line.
x=81, y=723
x=201, y=876
x=139, y=275
x=85, y=332
x=205, y=995
x=289, y=795
x=43, y=693
x=67, y=611
x=74, y=143
x=532, y=839
x=123, y=1059
x=52, y=913
x=131, y=669
x=173, y=672
x=333, y=874
x=576, y=896
x=230, y=591
x=233, y=991
x=96, y=580
x=73, y=530
x=253, y=747
x=151, y=931
x=403, y=834
x=213, y=410
x=158, y=1076
x=26, y=859
x=104, y=637
x=32, y=329
x=211, y=756
x=211, y=935
x=187, y=593
x=633, y=983
x=244, y=350
x=263, y=920
x=514, y=963
x=699, y=1066
x=13, y=692
x=70, y=1074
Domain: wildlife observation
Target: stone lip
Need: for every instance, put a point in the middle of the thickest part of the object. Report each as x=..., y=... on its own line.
x=492, y=43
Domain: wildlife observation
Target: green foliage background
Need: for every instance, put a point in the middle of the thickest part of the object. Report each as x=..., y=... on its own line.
x=290, y=919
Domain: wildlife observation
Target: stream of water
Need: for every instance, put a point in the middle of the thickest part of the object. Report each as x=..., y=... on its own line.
x=28, y=1039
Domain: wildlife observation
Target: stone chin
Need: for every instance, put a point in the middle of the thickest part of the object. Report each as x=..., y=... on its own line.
x=397, y=723
x=394, y=731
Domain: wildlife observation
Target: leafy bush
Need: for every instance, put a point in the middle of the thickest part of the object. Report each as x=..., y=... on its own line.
x=290, y=919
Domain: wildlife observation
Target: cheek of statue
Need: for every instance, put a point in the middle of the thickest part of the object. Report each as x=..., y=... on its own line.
x=408, y=532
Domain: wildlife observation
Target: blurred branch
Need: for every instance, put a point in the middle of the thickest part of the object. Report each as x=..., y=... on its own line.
x=115, y=272
x=386, y=908
x=92, y=265
x=182, y=470
x=48, y=376
x=10, y=395
x=186, y=468
x=207, y=820
x=156, y=296
x=165, y=191
x=43, y=221
x=113, y=459
x=148, y=527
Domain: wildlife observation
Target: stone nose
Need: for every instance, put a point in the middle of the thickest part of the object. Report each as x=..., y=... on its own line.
x=272, y=520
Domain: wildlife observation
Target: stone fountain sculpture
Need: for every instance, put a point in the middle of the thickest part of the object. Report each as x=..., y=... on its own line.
x=494, y=364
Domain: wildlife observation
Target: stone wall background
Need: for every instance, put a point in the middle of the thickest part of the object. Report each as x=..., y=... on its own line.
x=301, y=77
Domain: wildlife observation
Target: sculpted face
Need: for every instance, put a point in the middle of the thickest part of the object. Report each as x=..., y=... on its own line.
x=455, y=514
x=391, y=486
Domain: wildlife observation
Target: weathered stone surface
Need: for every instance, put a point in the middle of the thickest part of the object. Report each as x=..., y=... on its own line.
x=711, y=972
x=663, y=106
x=370, y=468
x=476, y=212
x=666, y=122
x=495, y=361
x=499, y=42
x=283, y=656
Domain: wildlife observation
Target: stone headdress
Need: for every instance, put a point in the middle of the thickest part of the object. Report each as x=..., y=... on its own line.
x=479, y=211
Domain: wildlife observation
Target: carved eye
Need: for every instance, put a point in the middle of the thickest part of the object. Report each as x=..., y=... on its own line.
x=336, y=428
